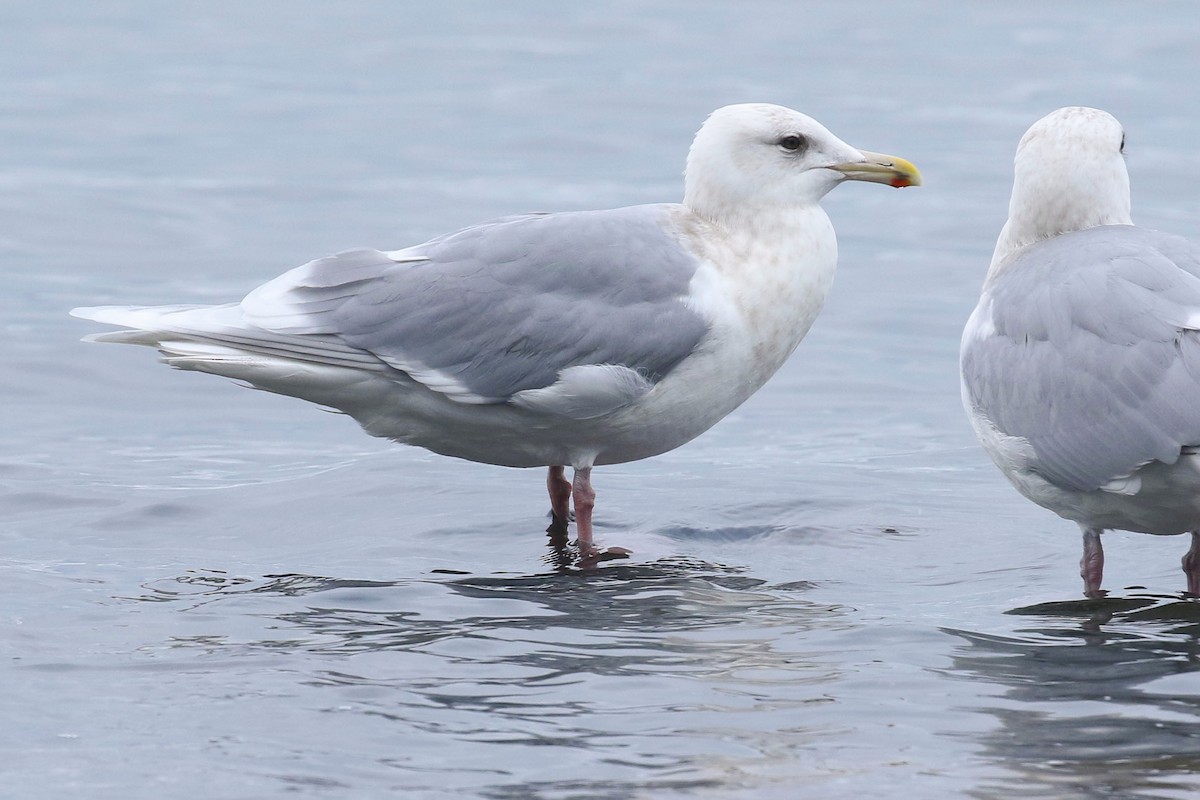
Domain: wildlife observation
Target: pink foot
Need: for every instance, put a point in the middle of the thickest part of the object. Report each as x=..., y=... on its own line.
x=597, y=556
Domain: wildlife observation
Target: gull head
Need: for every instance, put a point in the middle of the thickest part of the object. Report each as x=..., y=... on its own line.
x=1069, y=175
x=755, y=158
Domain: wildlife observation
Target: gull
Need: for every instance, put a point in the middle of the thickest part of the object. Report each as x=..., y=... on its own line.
x=555, y=339
x=1081, y=364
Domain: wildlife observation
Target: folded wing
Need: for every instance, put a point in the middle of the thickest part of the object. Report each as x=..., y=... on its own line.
x=1088, y=346
x=574, y=313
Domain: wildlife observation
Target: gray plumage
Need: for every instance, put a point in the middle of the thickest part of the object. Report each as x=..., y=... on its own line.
x=503, y=307
x=1095, y=358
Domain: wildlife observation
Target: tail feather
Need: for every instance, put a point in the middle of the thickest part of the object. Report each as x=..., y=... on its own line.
x=217, y=340
x=190, y=335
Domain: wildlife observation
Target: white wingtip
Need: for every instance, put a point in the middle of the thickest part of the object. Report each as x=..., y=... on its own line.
x=133, y=316
x=98, y=313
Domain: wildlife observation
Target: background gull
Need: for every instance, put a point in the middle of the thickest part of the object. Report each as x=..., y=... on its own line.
x=579, y=338
x=1081, y=363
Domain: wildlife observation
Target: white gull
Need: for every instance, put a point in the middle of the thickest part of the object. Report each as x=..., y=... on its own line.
x=1081, y=364
x=568, y=339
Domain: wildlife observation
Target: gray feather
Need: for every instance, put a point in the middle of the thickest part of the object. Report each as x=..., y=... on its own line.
x=1093, y=359
x=504, y=307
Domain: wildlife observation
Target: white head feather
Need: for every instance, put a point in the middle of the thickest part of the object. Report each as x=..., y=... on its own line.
x=756, y=158
x=1069, y=175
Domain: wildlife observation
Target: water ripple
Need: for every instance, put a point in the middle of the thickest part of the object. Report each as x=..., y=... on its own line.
x=1091, y=701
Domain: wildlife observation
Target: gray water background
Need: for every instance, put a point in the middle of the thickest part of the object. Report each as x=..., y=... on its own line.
x=206, y=591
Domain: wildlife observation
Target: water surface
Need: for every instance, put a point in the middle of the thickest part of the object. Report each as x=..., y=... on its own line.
x=832, y=591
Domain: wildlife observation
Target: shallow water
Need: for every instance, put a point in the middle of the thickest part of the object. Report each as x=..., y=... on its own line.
x=831, y=592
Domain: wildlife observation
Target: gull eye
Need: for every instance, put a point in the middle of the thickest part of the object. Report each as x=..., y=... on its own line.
x=1122, y=143
x=792, y=143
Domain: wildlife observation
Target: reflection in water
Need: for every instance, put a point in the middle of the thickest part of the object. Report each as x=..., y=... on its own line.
x=674, y=674
x=563, y=554
x=1102, y=699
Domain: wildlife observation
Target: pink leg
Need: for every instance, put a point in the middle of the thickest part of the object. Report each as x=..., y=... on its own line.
x=1191, y=565
x=560, y=494
x=585, y=501
x=1091, y=566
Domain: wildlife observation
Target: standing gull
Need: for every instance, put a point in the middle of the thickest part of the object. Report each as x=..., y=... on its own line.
x=1081, y=363
x=569, y=339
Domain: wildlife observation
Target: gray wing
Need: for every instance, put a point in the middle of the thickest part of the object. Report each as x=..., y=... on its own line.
x=507, y=307
x=1095, y=354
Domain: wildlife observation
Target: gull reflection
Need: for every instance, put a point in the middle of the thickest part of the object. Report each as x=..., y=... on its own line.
x=631, y=680
x=1100, y=699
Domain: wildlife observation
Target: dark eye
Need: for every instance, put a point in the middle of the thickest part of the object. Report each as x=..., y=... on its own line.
x=1122, y=142
x=792, y=143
